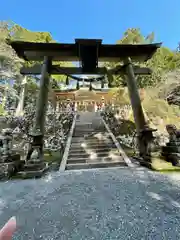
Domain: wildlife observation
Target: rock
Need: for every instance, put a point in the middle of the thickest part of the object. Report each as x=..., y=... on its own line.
x=171, y=151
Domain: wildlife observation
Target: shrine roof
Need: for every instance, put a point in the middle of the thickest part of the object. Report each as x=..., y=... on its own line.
x=32, y=51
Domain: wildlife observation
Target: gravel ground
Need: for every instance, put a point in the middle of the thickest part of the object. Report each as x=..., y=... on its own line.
x=96, y=204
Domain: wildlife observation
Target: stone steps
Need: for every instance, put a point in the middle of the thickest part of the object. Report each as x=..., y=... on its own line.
x=84, y=144
x=94, y=160
x=81, y=151
x=90, y=134
x=87, y=130
x=83, y=155
x=76, y=160
x=91, y=139
x=78, y=166
x=92, y=144
x=87, y=151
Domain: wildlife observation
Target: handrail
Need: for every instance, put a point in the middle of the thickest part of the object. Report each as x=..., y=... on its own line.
x=68, y=144
x=119, y=148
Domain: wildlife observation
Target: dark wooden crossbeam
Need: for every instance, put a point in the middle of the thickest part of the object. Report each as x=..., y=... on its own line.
x=57, y=70
x=121, y=69
x=32, y=51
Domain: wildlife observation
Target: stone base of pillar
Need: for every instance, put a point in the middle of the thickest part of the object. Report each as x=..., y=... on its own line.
x=33, y=170
x=11, y=167
x=145, y=139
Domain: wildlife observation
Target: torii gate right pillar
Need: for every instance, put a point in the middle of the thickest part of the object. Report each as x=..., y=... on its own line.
x=144, y=133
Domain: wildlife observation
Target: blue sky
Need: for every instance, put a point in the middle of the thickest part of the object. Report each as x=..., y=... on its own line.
x=106, y=19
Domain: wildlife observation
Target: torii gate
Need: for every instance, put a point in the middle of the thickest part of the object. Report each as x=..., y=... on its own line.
x=89, y=52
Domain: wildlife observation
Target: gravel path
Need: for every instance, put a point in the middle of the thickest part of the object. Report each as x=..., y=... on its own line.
x=96, y=204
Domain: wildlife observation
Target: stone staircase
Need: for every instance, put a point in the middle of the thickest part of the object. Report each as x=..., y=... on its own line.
x=91, y=145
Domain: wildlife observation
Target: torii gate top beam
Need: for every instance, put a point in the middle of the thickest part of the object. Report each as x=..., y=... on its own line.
x=78, y=51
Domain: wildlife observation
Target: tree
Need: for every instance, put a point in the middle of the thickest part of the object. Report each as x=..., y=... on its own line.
x=164, y=60
x=134, y=36
x=22, y=34
x=9, y=62
x=9, y=59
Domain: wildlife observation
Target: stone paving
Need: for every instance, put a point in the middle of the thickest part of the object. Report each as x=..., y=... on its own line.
x=94, y=204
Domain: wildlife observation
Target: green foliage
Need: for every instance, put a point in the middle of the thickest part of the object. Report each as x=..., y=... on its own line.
x=134, y=36
x=159, y=109
x=163, y=61
x=22, y=34
x=8, y=57
x=54, y=84
x=18, y=33
x=120, y=96
x=9, y=62
x=1, y=111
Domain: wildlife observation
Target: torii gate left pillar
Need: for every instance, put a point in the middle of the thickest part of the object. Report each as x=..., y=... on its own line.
x=42, y=99
x=41, y=107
